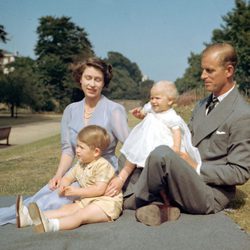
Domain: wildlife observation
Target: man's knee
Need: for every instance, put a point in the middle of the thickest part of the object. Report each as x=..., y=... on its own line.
x=160, y=153
x=161, y=157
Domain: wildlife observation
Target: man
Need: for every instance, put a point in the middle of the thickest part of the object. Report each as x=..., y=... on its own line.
x=221, y=134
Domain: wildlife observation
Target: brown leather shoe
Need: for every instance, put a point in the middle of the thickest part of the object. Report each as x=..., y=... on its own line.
x=155, y=214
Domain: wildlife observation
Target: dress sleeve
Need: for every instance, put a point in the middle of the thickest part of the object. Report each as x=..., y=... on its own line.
x=147, y=108
x=65, y=133
x=173, y=122
x=119, y=123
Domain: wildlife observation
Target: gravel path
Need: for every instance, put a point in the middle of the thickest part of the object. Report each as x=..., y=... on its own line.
x=27, y=133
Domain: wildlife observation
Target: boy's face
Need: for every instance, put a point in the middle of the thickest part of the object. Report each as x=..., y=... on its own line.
x=158, y=99
x=84, y=153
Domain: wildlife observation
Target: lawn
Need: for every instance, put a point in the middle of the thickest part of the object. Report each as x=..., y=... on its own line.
x=24, y=169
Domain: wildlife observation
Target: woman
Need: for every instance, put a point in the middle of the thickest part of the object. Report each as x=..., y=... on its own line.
x=93, y=75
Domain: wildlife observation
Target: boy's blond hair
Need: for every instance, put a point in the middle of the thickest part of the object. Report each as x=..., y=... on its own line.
x=95, y=137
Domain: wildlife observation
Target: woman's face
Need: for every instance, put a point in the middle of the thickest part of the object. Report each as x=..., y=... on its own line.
x=92, y=82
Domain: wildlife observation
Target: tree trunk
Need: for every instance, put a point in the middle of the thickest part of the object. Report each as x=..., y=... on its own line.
x=12, y=110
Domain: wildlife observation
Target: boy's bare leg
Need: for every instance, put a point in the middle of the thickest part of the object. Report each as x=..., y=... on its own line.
x=90, y=214
x=63, y=211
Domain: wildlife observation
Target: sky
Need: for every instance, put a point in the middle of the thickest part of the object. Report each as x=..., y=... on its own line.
x=157, y=35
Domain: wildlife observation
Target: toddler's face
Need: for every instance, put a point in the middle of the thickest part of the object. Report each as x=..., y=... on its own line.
x=158, y=99
x=84, y=153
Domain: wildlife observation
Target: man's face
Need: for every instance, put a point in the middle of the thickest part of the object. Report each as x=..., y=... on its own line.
x=214, y=74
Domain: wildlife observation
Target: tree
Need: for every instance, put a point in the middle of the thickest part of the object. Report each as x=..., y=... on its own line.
x=3, y=37
x=127, y=77
x=145, y=87
x=236, y=30
x=52, y=73
x=3, y=34
x=191, y=78
x=61, y=37
x=60, y=42
x=20, y=87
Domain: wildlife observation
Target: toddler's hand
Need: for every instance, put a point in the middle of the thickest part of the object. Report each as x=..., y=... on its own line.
x=185, y=156
x=137, y=112
x=61, y=191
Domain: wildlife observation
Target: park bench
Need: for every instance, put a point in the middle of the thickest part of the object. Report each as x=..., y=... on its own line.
x=5, y=133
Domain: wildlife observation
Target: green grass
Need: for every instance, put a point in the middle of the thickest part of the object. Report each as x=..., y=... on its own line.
x=25, y=169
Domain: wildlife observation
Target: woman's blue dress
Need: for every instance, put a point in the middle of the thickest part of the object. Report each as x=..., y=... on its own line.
x=108, y=114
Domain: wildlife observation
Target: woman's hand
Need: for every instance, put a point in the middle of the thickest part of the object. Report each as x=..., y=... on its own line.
x=114, y=187
x=54, y=183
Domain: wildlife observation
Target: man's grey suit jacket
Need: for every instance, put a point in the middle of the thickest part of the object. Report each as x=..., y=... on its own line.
x=223, y=140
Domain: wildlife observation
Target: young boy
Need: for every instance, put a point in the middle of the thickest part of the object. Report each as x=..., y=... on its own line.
x=93, y=174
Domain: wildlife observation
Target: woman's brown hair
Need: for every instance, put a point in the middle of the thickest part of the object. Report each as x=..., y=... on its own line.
x=99, y=64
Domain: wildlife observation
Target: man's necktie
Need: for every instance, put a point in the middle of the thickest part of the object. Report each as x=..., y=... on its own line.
x=212, y=104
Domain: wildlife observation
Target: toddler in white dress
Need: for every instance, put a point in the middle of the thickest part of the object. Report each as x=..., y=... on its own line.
x=161, y=126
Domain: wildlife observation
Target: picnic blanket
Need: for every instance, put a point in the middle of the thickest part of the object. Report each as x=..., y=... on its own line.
x=196, y=232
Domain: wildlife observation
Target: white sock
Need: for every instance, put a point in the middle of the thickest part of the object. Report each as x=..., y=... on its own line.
x=27, y=215
x=54, y=225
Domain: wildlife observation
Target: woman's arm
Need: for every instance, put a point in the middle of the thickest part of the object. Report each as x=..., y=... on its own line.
x=64, y=164
x=116, y=184
x=67, y=155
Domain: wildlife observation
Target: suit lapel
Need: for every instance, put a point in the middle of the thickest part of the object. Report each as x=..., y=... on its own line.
x=206, y=124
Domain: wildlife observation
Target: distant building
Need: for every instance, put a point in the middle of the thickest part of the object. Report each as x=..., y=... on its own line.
x=6, y=58
x=145, y=78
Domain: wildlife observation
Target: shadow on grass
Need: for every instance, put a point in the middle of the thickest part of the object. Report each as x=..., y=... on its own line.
x=239, y=200
x=2, y=145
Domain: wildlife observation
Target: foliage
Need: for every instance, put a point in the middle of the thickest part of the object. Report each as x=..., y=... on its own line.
x=60, y=42
x=191, y=77
x=3, y=37
x=3, y=34
x=21, y=87
x=145, y=87
x=61, y=37
x=235, y=30
x=126, y=77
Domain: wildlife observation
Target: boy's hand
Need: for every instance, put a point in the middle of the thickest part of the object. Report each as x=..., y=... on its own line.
x=70, y=191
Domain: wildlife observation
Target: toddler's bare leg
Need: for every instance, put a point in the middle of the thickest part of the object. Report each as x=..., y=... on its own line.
x=63, y=211
x=90, y=214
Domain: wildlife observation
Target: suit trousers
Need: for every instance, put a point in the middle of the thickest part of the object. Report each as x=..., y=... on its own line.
x=165, y=170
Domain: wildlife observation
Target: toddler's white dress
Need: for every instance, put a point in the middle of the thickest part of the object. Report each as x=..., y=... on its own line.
x=155, y=130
